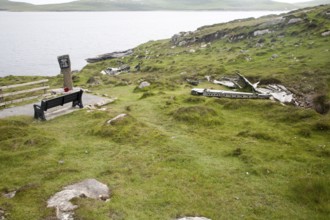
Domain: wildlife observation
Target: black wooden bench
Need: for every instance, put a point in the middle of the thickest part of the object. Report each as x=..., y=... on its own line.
x=75, y=98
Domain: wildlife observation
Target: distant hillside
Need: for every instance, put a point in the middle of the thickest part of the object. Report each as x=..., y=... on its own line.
x=115, y=5
x=313, y=3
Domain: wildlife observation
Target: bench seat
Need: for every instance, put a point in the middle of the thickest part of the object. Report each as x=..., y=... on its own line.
x=75, y=98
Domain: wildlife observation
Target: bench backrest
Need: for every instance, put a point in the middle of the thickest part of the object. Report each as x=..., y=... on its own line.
x=72, y=97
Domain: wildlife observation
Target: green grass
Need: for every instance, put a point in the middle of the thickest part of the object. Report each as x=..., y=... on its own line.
x=161, y=165
x=178, y=155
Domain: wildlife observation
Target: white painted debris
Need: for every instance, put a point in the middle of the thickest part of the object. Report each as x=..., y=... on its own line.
x=228, y=94
x=247, y=82
x=114, y=71
x=274, y=91
x=90, y=188
x=278, y=92
x=118, y=117
x=283, y=97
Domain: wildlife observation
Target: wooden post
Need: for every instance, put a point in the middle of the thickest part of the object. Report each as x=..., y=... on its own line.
x=65, y=66
x=2, y=99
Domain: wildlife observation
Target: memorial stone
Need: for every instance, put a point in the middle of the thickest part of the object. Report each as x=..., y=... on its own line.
x=65, y=65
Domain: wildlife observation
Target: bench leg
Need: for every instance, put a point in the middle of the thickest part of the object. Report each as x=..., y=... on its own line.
x=39, y=113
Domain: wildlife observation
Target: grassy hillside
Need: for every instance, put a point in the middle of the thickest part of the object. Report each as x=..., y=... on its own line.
x=110, y=5
x=178, y=155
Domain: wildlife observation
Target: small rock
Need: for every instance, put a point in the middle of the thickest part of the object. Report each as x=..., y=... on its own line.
x=10, y=195
x=203, y=45
x=294, y=20
x=2, y=214
x=324, y=34
x=90, y=107
x=274, y=56
x=182, y=43
x=261, y=32
x=144, y=84
x=61, y=162
x=192, y=51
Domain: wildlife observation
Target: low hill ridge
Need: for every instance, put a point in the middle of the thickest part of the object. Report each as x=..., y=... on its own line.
x=126, y=5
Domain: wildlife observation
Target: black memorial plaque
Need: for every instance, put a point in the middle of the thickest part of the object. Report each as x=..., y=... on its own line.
x=64, y=61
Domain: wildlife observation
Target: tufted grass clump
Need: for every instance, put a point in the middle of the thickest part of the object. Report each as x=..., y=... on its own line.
x=147, y=94
x=314, y=192
x=323, y=126
x=257, y=135
x=194, y=99
x=15, y=135
x=198, y=115
x=128, y=130
x=295, y=115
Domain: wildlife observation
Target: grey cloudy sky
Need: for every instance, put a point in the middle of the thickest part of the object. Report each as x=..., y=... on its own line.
x=41, y=2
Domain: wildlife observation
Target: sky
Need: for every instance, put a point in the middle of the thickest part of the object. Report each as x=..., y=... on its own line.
x=43, y=2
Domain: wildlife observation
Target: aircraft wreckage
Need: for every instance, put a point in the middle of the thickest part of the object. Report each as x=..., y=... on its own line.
x=273, y=91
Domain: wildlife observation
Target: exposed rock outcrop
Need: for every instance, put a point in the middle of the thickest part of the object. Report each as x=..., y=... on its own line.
x=90, y=188
x=117, y=54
